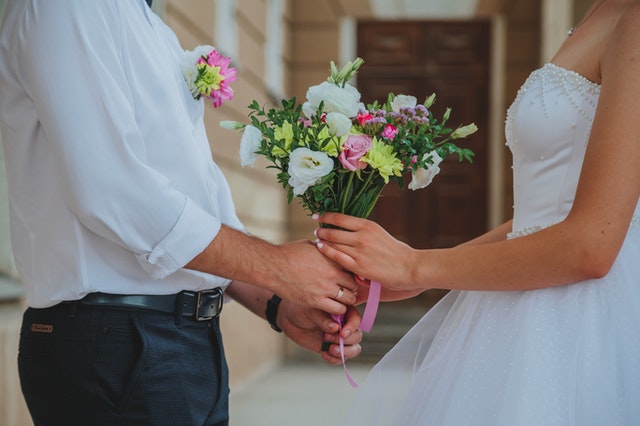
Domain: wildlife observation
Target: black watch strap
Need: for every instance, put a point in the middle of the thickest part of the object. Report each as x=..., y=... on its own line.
x=272, y=312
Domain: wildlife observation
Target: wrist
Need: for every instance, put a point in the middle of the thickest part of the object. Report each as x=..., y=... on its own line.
x=413, y=272
x=272, y=312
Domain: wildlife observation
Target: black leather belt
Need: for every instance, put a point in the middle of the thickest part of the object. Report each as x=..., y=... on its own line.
x=199, y=305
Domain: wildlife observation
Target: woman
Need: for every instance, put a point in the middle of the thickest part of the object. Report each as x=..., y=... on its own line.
x=543, y=324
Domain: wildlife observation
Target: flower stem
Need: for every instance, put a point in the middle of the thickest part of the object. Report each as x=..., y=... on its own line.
x=373, y=204
x=345, y=194
x=362, y=189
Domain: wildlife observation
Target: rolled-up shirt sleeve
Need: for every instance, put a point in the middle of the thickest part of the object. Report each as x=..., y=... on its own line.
x=169, y=254
x=114, y=180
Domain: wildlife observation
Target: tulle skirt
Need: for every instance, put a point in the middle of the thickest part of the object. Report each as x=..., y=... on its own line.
x=561, y=356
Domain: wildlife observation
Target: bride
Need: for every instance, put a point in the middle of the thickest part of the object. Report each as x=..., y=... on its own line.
x=543, y=324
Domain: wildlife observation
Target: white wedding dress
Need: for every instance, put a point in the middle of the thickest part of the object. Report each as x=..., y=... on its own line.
x=565, y=356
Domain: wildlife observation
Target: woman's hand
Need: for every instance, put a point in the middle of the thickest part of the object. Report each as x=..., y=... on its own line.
x=386, y=295
x=366, y=249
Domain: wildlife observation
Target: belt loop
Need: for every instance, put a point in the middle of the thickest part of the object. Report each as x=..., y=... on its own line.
x=177, y=314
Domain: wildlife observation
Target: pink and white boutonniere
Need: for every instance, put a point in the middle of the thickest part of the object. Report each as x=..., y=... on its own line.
x=208, y=74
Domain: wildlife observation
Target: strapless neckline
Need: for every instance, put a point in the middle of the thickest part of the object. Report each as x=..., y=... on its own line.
x=570, y=72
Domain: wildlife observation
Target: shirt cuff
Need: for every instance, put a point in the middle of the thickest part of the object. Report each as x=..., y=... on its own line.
x=183, y=243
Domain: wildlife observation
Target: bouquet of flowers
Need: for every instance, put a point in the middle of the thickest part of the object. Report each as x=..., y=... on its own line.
x=336, y=155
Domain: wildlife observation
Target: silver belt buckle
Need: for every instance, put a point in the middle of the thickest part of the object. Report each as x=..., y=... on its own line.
x=208, y=304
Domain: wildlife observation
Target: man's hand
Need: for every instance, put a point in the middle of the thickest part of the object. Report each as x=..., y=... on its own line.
x=306, y=326
x=295, y=271
x=309, y=328
x=311, y=279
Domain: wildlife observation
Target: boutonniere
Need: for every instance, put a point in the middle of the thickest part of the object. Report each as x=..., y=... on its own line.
x=208, y=74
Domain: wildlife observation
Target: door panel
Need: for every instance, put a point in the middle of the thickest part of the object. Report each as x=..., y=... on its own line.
x=449, y=58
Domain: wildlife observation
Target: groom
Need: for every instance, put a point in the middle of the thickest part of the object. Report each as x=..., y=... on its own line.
x=124, y=231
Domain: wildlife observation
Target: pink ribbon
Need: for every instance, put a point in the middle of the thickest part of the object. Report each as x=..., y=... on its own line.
x=371, y=310
x=368, y=318
x=340, y=320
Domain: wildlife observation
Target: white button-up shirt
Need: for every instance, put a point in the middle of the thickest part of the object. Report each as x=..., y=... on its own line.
x=112, y=187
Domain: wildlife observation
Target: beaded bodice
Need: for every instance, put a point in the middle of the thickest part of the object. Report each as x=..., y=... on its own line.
x=547, y=130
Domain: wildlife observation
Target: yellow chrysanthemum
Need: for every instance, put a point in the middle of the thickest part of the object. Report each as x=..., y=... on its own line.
x=284, y=134
x=332, y=144
x=382, y=158
x=209, y=79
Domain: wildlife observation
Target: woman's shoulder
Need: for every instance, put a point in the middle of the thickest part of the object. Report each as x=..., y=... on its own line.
x=623, y=40
x=626, y=18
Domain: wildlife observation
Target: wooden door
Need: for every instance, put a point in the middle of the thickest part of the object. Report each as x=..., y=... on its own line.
x=450, y=58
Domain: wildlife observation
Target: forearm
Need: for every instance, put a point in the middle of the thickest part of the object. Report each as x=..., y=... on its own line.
x=581, y=247
x=497, y=234
x=241, y=257
x=251, y=297
x=550, y=257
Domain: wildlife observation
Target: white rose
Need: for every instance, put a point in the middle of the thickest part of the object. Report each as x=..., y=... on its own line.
x=403, y=101
x=423, y=177
x=345, y=100
x=249, y=144
x=339, y=124
x=306, y=167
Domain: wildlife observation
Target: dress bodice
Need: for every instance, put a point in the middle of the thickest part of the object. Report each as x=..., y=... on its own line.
x=547, y=129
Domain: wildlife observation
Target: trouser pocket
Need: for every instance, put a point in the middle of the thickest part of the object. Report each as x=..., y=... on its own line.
x=121, y=354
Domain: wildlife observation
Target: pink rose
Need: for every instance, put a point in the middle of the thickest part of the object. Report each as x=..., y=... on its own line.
x=389, y=131
x=353, y=149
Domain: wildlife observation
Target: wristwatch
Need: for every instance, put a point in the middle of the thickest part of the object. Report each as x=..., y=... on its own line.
x=272, y=312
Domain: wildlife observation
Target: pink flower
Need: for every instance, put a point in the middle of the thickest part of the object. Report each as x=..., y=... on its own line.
x=306, y=122
x=389, y=131
x=214, y=77
x=353, y=149
x=364, y=117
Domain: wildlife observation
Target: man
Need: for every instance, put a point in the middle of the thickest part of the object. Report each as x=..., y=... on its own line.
x=123, y=228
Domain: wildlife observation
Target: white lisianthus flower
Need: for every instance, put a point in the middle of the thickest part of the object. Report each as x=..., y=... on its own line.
x=232, y=125
x=249, y=144
x=308, y=110
x=464, y=131
x=345, y=100
x=403, y=101
x=339, y=124
x=423, y=177
x=189, y=65
x=306, y=167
